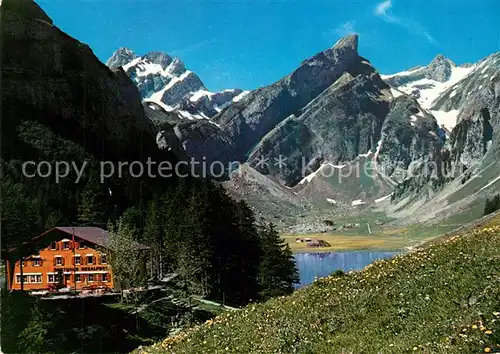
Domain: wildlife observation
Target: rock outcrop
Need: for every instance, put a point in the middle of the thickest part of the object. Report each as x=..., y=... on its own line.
x=51, y=78
x=261, y=110
x=476, y=101
x=344, y=121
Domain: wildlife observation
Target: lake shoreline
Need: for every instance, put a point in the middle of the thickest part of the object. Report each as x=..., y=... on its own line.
x=348, y=242
x=312, y=265
x=335, y=250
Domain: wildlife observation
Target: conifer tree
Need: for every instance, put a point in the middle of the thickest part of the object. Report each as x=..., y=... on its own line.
x=93, y=208
x=18, y=213
x=154, y=238
x=277, y=271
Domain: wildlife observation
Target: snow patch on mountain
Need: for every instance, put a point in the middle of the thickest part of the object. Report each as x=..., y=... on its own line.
x=240, y=96
x=311, y=176
x=380, y=200
x=199, y=94
x=331, y=201
x=448, y=119
x=427, y=90
x=396, y=93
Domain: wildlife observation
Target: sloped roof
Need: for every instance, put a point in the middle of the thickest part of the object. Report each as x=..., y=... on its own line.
x=94, y=235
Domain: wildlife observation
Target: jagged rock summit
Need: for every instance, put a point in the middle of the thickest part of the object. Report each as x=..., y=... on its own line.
x=349, y=42
x=439, y=69
x=120, y=57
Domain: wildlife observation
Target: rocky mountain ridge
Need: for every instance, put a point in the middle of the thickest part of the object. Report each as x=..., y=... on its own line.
x=334, y=110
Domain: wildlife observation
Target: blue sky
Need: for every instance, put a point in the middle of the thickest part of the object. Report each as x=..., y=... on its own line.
x=252, y=43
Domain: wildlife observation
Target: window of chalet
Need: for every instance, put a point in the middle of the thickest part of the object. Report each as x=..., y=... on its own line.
x=53, y=246
x=105, y=277
x=52, y=278
x=90, y=278
x=65, y=245
x=37, y=262
x=90, y=259
x=104, y=260
x=29, y=279
x=78, y=278
x=58, y=261
x=78, y=260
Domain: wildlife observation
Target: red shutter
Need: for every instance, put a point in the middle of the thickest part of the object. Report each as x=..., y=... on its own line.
x=57, y=246
x=41, y=262
x=73, y=257
x=55, y=261
x=94, y=260
x=62, y=261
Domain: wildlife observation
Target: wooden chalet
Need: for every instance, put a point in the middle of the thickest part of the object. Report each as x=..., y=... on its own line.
x=64, y=259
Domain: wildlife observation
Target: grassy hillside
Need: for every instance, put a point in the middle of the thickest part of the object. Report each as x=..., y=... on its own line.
x=444, y=298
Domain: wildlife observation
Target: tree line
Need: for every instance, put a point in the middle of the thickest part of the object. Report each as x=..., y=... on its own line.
x=212, y=244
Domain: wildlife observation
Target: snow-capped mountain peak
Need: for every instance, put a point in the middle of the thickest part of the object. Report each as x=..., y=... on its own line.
x=164, y=80
x=428, y=83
